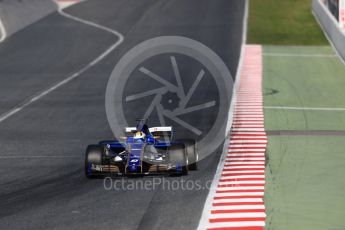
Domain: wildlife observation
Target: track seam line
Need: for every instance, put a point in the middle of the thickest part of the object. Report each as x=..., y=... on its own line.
x=45, y=92
x=304, y=108
x=300, y=55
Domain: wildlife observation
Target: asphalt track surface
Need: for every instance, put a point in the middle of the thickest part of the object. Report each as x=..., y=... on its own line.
x=42, y=147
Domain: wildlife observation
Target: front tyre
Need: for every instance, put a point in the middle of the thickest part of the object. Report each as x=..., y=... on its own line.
x=93, y=156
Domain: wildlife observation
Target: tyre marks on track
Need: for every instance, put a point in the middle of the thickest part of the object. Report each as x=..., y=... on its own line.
x=238, y=199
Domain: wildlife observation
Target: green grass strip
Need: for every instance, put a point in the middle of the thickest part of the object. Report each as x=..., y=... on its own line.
x=287, y=22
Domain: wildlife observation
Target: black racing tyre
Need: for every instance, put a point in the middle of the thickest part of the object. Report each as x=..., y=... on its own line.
x=177, y=155
x=93, y=155
x=192, y=154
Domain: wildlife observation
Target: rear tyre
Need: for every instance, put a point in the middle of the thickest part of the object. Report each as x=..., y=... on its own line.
x=178, y=157
x=93, y=155
x=192, y=154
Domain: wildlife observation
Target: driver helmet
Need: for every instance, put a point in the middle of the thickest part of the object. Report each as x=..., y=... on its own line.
x=139, y=135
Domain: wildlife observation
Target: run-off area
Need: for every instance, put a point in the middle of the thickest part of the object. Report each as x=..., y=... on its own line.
x=305, y=156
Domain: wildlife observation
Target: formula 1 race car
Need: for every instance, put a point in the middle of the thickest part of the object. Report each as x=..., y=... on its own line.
x=143, y=151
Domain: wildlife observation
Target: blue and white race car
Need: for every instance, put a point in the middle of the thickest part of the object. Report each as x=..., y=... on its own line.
x=143, y=151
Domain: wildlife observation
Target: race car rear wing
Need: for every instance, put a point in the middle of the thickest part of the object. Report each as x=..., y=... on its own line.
x=130, y=129
x=159, y=132
x=160, y=129
x=163, y=133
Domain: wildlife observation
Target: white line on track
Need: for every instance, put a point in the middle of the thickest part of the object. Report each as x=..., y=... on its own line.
x=47, y=91
x=304, y=108
x=301, y=55
x=2, y=31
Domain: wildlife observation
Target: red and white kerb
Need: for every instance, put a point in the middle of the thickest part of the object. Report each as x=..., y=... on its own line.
x=238, y=198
